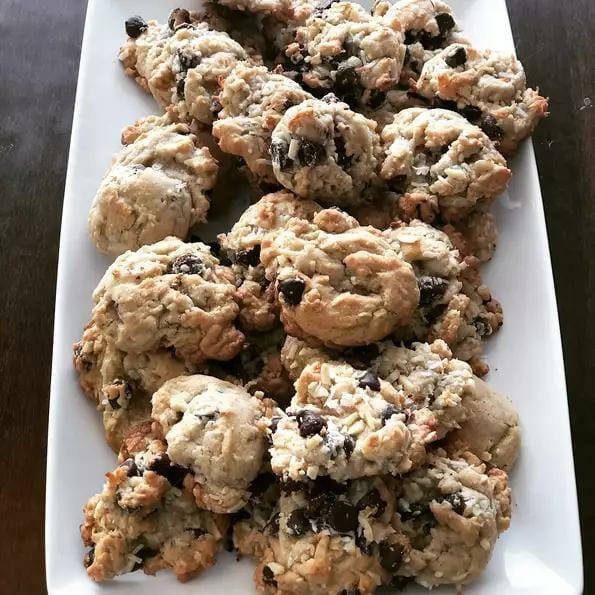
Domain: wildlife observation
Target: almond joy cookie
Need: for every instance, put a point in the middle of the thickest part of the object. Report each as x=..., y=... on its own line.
x=343, y=50
x=324, y=537
x=324, y=151
x=146, y=518
x=157, y=186
x=218, y=431
x=159, y=312
x=337, y=283
x=180, y=63
x=443, y=166
x=489, y=88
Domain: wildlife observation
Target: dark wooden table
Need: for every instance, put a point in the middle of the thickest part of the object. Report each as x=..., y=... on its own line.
x=39, y=55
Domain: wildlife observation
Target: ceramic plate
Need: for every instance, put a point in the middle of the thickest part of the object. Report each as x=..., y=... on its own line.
x=540, y=554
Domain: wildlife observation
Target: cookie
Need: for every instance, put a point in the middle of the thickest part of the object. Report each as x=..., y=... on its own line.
x=491, y=430
x=217, y=430
x=452, y=511
x=429, y=25
x=156, y=187
x=475, y=235
x=442, y=166
x=159, y=312
x=343, y=50
x=337, y=283
x=324, y=537
x=455, y=305
x=488, y=88
x=427, y=378
x=146, y=518
x=253, y=99
x=322, y=150
x=181, y=63
x=348, y=423
x=296, y=11
x=242, y=246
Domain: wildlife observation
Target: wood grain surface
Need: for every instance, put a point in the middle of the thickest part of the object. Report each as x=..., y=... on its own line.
x=39, y=55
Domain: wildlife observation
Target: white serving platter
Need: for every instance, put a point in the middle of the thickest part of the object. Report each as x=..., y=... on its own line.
x=541, y=552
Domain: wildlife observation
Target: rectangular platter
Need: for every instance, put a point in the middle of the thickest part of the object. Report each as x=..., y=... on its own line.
x=540, y=554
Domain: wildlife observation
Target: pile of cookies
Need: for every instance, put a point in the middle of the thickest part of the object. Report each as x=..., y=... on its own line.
x=306, y=390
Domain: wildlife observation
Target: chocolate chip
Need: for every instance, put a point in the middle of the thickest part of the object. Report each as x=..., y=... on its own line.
x=348, y=446
x=346, y=85
x=196, y=533
x=89, y=557
x=178, y=17
x=181, y=87
x=289, y=486
x=457, y=502
x=292, y=290
x=310, y=152
x=429, y=41
x=391, y=556
x=268, y=576
x=363, y=544
x=489, y=125
x=376, y=99
x=343, y=517
x=310, y=423
x=187, y=264
x=472, y=113
x=431, y=289
x=398, y=183
x=144, y=554
x=432, y=314
x=298, y=523
x=411, y=36
x=135, y=26
x=413, y=511
x=163, y=466
x=388, y=412
x=274, y=423
x=457, y=58
x=360, y=357
x=247, y=257
x=445, y=23
x=261, y=483
x=188, y=60
x=373, y=500
x=445, y=104
x=279, y=150
x=343, y=159
x=273, y=525
x=130, y=466
x=369, y=380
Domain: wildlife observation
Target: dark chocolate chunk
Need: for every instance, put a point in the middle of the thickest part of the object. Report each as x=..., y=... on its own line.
x=376, y=99
x=144, y=554
x=130, y=466
x=490, y=126
x=310, y=423
x=188, y=60
x=472, y=113
x=391, y=556
x=457, y=502
x=163, y=466
x=431, y=289
x=445, y=23
x=268, y=576
x=343, y=159
x=342, y=517
x=457, y=58
x=292, y=290
x=373, y=500
x=369, y=380
x=310, y=152
x=388, y=412
x=247, y=257
x=298, y=523
x=135, y=26
x=348, y=445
